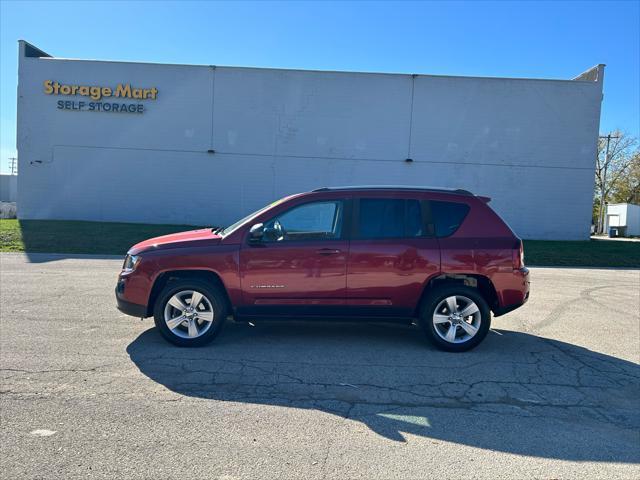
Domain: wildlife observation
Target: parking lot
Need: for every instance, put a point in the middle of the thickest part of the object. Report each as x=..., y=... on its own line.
x=553, y=392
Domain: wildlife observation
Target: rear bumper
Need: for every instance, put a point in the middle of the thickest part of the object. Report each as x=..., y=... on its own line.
x=497, y=312
x=522, y=293
x=129, y=308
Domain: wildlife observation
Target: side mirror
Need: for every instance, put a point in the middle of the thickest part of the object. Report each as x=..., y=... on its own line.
x=256, y=233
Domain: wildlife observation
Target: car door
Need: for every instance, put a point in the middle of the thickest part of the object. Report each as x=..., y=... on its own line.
x=391, y=255
x=299, y=265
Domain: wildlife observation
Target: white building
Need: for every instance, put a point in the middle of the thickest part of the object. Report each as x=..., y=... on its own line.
x=625, y=217
x=204, y=145
x=8, y=188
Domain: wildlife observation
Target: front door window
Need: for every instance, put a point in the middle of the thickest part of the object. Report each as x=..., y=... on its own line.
x=311, y=221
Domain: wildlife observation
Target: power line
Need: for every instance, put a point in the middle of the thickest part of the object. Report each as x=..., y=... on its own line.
x=13, y=165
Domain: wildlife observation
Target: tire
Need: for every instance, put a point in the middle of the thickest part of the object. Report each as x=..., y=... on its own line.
x=437, y=319
x=195, y=329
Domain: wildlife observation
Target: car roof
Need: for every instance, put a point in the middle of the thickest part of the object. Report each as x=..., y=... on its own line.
x=457, y=191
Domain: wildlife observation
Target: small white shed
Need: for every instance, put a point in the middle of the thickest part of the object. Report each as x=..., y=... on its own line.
x=626, y=216
x=8, y=188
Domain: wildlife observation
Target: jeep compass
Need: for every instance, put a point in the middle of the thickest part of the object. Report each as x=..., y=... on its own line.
x=440, y=258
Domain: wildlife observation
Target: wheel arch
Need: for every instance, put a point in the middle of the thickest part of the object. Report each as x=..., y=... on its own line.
x=166, y=277
x=481, y=283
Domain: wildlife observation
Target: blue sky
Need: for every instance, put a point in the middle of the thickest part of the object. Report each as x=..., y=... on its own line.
x=511, y=39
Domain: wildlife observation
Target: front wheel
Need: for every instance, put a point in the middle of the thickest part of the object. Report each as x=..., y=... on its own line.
x=190, y=313
x=455, y=318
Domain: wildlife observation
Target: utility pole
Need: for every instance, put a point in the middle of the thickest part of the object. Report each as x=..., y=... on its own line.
x=13, y=164
x=604, y=180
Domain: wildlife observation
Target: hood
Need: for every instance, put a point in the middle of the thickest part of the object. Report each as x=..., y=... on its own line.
x=191, y=238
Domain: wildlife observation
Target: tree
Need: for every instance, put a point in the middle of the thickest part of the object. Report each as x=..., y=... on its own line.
x=627, y=188
x=615, y=158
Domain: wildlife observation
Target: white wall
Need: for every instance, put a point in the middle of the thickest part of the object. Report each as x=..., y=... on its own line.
x=529, y=144
x=633, y=220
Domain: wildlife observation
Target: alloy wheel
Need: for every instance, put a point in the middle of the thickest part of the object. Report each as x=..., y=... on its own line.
x=188, y=314
x=457, y=319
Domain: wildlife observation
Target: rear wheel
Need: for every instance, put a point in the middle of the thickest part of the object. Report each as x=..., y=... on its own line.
x=190, y=313
x=455, y=318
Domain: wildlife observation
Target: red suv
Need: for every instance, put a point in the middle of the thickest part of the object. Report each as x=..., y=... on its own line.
x=441, y=257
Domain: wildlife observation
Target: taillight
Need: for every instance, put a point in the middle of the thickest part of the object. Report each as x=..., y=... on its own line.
x=518, y=255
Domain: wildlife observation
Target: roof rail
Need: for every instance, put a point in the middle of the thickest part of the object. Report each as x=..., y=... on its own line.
x=458, y=191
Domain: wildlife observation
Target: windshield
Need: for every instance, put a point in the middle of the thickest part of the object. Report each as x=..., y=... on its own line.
x=239, y=223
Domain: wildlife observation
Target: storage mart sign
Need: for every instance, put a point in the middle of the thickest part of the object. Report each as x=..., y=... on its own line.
x=97, y=93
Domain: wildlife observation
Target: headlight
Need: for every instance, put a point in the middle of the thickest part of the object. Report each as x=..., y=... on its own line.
x=130, y=263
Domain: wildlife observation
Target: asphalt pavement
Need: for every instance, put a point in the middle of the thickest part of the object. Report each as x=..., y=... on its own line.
x=553, y=392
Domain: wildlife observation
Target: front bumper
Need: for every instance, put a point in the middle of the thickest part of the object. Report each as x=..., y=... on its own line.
x=128, y=308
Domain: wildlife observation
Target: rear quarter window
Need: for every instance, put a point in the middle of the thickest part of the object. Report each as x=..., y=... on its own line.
x=447, y=217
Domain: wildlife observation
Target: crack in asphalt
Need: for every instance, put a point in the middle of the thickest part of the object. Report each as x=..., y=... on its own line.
x=55, y=370
x=583, y=296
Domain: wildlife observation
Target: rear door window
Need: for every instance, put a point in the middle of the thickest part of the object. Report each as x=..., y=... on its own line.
x=414, y=222
x=380, y=218
x=447, y=217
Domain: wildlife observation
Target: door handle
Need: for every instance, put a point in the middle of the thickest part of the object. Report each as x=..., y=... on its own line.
x=327, y=251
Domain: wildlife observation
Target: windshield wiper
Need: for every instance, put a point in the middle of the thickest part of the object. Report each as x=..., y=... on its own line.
x=217, y=230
